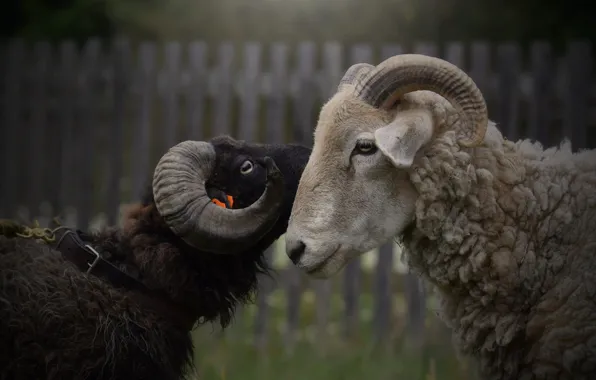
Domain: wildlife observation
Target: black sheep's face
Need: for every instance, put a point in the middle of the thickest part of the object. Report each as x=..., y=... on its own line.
x=239, y=177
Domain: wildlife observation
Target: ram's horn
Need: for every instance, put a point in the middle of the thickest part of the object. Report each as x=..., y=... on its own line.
x=354, y=74
x=181, y=199
x=401, y=74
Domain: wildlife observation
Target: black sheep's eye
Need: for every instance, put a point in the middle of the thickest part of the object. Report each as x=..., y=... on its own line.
x=365, y=147
x=246, y=167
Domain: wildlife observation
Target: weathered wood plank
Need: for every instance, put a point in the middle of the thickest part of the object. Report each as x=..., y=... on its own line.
x=274, y=122
x=303, y=115
x=508, y=67
x=13, y=167
x=67, y=105
x=276, y=102
x=578, y=65
x=303, y=102
x=173, y=52
x=250, y=92
x=121, y=62
x=86, y=131
x=38, y=109
x=223, y=95
x=141, y=142
x=480, y=71
x=197, y=90
x=540, y=114
x=454, y=53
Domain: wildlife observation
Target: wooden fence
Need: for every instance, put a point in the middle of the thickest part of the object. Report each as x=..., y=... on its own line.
x=82, y=128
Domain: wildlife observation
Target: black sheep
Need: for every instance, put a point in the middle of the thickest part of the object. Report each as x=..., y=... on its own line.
x=189, y=263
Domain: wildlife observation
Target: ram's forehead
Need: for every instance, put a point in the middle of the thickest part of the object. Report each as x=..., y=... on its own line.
x=341, y=118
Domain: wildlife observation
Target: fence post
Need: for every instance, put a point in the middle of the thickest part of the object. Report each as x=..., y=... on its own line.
x=13, y=133
x=68, y=87
x=274, y=121
x=508, y=90
x=38, y=108
x=304, y=98
x=223, y=90
x=578, y=65
x=249, y=108
x=121, y=60
x=141, y=148
x=86, y=132
x=195, y=97
x=480, y=71
x=171, y=83
x=540, y=112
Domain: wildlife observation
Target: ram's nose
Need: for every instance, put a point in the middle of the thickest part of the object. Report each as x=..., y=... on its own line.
x=295, y=249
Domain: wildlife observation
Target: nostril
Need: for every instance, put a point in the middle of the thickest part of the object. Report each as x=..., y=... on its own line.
x=296, y=251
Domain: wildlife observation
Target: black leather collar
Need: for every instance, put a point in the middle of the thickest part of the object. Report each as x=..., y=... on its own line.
x=74, y=249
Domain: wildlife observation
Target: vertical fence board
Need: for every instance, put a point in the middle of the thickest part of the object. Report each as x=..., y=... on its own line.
x=223, y=90
x=250, y=92
x=86, y=131
x=276, y=103
x=508, y=67
x=540, y=112
x=578, y=65
x=454, y=53
x=13, y=133
x=38, y=109
x=426, y=49
x=140, y=174
x=68, y=79
x=274, y=123
x=52, y=136
x=480, y=71
x=121, y=50
x=303, y=101
x=171, y=84
x=195, y=97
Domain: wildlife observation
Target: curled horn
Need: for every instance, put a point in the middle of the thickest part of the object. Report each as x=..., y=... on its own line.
x=401, y=74
x=182, y=201
x=354, y=74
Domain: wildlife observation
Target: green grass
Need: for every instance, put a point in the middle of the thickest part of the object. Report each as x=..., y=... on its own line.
x=234, y=355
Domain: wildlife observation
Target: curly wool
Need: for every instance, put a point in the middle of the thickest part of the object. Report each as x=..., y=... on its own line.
x=505, y=232
x=59, y=324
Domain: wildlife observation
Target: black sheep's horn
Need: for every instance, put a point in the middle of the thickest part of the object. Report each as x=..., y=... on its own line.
x=182, y=200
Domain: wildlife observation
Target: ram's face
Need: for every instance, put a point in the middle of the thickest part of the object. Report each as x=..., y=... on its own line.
x=355, y=192
x=351, y=198
x=240, y=175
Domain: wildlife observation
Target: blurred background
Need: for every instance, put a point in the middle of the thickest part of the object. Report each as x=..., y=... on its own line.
x=93, y=92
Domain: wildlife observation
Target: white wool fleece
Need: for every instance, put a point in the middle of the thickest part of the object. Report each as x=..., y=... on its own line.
x=507, y=234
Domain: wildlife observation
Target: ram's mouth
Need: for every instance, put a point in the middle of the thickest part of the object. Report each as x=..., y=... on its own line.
x=220, y=198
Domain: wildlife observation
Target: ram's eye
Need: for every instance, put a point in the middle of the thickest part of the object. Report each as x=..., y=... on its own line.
x=365, y=147
x=246, y=167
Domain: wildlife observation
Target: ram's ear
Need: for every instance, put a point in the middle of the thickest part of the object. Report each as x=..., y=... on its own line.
x=400, y=140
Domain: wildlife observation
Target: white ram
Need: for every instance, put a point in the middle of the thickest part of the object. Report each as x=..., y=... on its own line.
x=504, y=230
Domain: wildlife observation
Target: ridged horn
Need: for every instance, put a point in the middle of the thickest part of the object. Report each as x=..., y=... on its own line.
x=182, y=201
x=354, y=74
x=401, y=74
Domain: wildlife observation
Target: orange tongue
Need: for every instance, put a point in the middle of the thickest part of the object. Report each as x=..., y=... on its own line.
x=222, y=204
